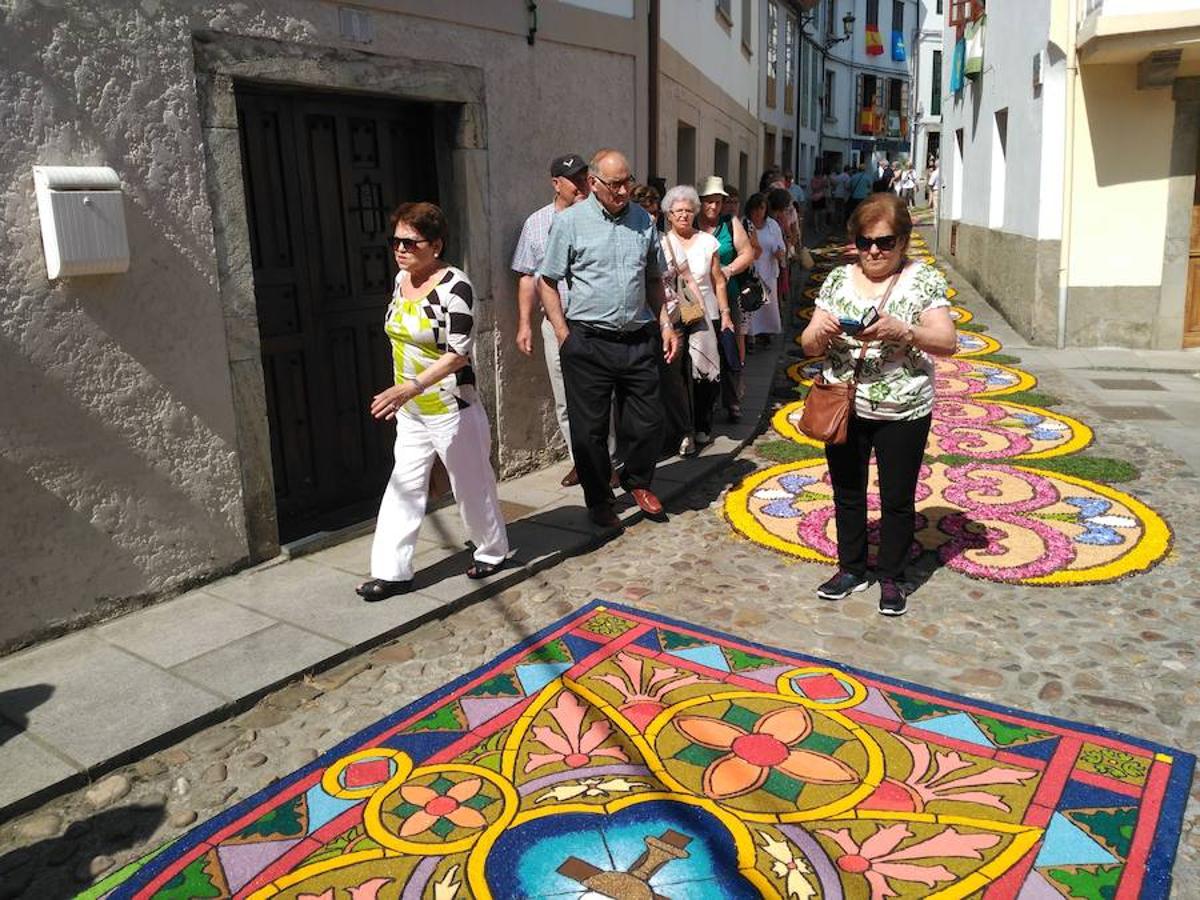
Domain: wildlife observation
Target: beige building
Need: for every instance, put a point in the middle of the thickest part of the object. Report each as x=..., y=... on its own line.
x=707, y=97
x=1070, y=166
x=181, y=419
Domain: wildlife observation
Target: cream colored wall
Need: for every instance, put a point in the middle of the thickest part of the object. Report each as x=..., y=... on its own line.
x=1122, y=161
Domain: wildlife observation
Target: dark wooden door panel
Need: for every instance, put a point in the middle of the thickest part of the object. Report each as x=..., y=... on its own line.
x=321, y=175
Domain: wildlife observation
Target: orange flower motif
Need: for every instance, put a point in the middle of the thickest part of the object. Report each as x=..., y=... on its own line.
x=435, y=806
x=751, y=756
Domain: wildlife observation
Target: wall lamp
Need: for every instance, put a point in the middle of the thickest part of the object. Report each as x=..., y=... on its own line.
x=847, y=29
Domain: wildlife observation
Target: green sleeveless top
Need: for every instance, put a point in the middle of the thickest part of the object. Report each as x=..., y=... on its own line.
x=727, y=253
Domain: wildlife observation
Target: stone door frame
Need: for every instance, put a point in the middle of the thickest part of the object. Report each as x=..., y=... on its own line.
x=221, y=59
x=1169, y=321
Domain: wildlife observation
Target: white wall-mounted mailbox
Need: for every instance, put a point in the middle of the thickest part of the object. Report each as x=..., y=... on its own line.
x=83, y=220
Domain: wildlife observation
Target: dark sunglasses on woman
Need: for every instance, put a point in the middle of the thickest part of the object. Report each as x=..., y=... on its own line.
x=885, y=242
x=407, y=244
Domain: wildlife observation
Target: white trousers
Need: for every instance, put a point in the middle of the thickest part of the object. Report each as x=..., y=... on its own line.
x=464, y=443
x=554, y=370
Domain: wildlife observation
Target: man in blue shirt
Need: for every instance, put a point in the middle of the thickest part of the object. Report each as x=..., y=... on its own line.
x=858, y=189
x=607, y=250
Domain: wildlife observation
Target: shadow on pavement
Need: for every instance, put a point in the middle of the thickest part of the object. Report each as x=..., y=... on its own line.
x=16, y=703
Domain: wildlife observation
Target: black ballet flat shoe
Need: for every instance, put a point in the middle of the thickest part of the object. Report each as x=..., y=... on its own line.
x=379, y=589
x=483, y=570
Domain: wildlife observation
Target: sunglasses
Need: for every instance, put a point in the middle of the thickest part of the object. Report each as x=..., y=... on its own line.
x=885, y=242
x=408, y=245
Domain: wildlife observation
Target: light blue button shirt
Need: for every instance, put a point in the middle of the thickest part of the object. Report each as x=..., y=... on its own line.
x=605, y=261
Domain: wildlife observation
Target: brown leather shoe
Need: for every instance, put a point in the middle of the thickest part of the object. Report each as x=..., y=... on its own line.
x=604, y=515
x=571, y=478
x=649, y=503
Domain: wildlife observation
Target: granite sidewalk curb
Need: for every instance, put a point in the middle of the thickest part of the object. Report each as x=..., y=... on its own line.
x=79, y=706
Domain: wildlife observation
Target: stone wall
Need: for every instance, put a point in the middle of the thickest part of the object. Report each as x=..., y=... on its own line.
x=120, y=462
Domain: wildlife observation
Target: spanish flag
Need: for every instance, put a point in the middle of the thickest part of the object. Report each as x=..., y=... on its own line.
x=874, y=41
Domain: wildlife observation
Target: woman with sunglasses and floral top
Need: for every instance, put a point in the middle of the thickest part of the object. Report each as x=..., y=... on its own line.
x=894, y=398
x=431, y=326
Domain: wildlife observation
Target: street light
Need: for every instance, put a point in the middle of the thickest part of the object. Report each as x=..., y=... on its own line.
x=847, y=30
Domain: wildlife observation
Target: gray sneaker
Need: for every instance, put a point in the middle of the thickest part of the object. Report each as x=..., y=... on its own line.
x=893, y=600
x=843, y=584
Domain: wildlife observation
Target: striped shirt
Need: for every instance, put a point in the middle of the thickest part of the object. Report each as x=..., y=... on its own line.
x=422, y=329
x=605, y=261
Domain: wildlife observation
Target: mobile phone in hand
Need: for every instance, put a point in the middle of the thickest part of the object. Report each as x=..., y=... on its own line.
x=854, y=326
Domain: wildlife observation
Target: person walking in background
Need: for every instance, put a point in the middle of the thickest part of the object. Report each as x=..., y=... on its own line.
x=608, y=251
x=820, y=198
x=841, y=194
x=431, y=325
x=736, y=256
x=934, y=182
x=647, y=197
x=766, y=320
x=858, y=189
x=568, y=179
x=908, y=186
x=891, y=362
x=781, y=209
x=694, y=256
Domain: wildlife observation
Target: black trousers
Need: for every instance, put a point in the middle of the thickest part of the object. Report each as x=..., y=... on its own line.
x=675, y=395
x=899, y=448
x=599, y=366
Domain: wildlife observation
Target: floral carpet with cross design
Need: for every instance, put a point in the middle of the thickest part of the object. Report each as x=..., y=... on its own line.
x=1006, y=493
x=626, y=755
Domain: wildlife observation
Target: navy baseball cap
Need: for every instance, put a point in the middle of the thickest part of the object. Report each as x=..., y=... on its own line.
x=568, y=166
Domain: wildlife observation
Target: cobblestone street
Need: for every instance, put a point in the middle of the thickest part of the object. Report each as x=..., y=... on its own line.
x=1118, y=655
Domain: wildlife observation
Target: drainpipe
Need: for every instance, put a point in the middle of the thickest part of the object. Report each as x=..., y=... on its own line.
x=652, y=102
x=1064, y=262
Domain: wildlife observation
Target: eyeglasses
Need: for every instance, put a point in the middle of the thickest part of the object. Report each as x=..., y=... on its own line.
x=616, y=187
x=683, y=211
x=885, y=242
x=408, y=245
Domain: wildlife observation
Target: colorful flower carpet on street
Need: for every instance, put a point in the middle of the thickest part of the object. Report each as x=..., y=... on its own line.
x=622, y=754
x=1005, y=493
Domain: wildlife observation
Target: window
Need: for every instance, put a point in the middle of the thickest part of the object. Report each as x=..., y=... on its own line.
x=999, y=169
x=872, y=12
x=897, y=100
x=743, y=174
x=685, y=154
x=939, y=7
x=964, y=11
x=898, y=15
x=785, y=154
x=789, y=64
x=935, y=99
x=830, y=16
x=827, y=100
x=769, y=150
x=747, y=26
x=895, y=86
x=959, y=176
x=721, y=159
x=869, y=115
x=814, y=80
x=772, y=50
x=725, y=10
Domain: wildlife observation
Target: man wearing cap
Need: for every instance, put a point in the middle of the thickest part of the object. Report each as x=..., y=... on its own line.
x=608, y=252
x=568, y=177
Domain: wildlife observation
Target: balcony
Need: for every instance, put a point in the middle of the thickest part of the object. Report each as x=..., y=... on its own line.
x=1129, y=31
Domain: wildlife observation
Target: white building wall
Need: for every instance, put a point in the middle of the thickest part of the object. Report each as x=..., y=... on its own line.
x=702, y=36
x=1014, y=36
x=927, y=42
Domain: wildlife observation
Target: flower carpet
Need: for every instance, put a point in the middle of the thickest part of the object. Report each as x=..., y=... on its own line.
x=1005, y=494
x=622, y=754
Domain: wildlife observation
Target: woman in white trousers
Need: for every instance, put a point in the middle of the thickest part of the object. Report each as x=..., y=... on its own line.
x=437, y=411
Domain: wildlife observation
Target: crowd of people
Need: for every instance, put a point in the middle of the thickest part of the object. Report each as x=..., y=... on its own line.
x=650, y=304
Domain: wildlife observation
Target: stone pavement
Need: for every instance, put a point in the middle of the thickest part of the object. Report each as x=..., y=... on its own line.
x=76, y=707
x=1120, y=655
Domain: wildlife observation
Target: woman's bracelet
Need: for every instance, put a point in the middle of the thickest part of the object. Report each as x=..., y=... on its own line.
x=420, y=387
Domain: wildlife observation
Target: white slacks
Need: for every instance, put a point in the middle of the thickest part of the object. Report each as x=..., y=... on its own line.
x=464, y=443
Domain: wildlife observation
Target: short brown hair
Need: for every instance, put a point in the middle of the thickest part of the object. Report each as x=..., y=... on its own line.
x=880, y=207
x=645, y=193
x=427, y=219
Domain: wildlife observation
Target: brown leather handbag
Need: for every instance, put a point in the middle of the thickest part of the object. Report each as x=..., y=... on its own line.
x=830, y=404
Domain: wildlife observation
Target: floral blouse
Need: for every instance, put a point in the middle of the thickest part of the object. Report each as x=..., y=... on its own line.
x=896, y=380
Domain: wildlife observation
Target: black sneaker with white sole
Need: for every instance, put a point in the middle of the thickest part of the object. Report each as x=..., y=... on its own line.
x=893, y=600
x=843, y=584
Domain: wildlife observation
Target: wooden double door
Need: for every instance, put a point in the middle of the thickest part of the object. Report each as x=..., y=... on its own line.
x=1191, y=318
x=322, y=173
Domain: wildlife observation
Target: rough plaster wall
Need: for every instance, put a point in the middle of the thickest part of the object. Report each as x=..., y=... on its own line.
x=118, y=463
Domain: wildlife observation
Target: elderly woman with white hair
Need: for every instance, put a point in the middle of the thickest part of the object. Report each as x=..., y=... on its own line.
x=694, y=256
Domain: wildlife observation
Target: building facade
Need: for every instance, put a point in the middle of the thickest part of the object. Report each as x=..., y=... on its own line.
x=183, y=418
x=1070, y=171
x=708, y=101
x=866, y=97
x=928, y=62
x=788, y=88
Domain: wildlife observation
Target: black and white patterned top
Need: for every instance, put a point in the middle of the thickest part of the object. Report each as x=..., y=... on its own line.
x=422, y=329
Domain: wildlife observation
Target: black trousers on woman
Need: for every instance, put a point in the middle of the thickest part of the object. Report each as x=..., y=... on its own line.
x=899, y=448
